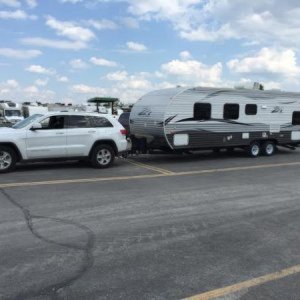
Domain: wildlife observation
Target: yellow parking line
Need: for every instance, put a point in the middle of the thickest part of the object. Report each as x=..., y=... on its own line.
x=149, y=167
x=82, y=180
x=246, y=284
x=232, y=169
x=165, y=174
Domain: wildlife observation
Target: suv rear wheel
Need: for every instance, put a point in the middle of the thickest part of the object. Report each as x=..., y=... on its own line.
x=103, y=156
x=8, y=159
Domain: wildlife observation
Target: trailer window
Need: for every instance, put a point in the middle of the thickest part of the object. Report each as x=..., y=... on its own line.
x=251, y=109
x=296, y=118
x=231, y=111
x=202, y=111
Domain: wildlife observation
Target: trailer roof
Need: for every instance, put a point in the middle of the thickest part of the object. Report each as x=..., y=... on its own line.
x=171, y=92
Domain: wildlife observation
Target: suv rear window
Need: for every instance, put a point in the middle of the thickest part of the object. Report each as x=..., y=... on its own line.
x=99, y=122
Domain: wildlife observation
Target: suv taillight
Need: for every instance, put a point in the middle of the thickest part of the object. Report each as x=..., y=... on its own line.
x=123, y=131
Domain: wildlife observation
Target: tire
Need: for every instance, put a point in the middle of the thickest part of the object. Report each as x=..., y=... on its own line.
x=103, y=156
x=268, y=148
x=254, y=149
x=8, y=159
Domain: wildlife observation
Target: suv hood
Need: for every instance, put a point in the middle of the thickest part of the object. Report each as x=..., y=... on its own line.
x=6, y=130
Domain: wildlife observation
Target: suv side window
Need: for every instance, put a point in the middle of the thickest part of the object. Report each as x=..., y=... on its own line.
x=78, y=122
x=97, y=122
x=53, y=122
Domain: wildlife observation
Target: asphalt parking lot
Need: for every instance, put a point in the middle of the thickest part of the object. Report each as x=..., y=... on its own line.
x=206, y=226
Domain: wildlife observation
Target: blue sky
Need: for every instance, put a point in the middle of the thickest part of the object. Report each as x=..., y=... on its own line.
x=71, y=50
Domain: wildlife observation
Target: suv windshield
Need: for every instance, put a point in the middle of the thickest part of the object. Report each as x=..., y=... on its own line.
x=27, y=121
x=12, y=113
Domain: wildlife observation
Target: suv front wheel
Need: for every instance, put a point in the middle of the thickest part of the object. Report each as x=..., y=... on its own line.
x=8, y=159
x=103, y=156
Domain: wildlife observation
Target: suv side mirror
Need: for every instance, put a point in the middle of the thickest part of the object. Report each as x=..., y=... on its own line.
x=36, y=126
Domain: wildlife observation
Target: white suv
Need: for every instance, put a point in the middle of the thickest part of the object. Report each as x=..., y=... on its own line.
x=98, y=138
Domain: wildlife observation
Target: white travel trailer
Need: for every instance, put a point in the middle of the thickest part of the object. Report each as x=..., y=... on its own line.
x=10, y=112
x=180, y=119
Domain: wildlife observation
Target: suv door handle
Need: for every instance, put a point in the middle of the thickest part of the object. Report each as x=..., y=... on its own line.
x=60, y=133
x=92, y=131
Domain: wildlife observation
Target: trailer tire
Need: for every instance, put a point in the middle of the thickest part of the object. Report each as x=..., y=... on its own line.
x=8, y=159
x=268, y=148
x=102, y=156
x=254, y=149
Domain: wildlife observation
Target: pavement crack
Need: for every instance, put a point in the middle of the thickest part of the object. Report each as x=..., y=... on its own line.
x=53, y=290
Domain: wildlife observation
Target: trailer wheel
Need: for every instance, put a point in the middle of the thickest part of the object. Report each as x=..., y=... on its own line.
x=254, y=149
x=268, y=148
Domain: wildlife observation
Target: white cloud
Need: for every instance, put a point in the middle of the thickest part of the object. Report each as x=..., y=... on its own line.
x=11, y=3
x=130, y=22
x=193, y=72
x=78, y=64
x=71, y=1
x=15, y=14
x=19, y=54
x=70, y=30
x=11, y=89
x=185, y=55
x=40, y=70
x=260, y=21
x=56, y=44
x=103, y=62
x=136, y=83
x=41, y=82
x=136, y=46
x=33, y=93
x=11, y=83
x=32, y=89
x=117, y=76
x=160, y=9
x=31, y=3
x=102, y=24
x=267, y=60
x=62, y=79
x=86, y=89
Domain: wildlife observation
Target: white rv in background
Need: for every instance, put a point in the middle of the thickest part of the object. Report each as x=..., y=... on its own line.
x=10, y=112
x=32, y=108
